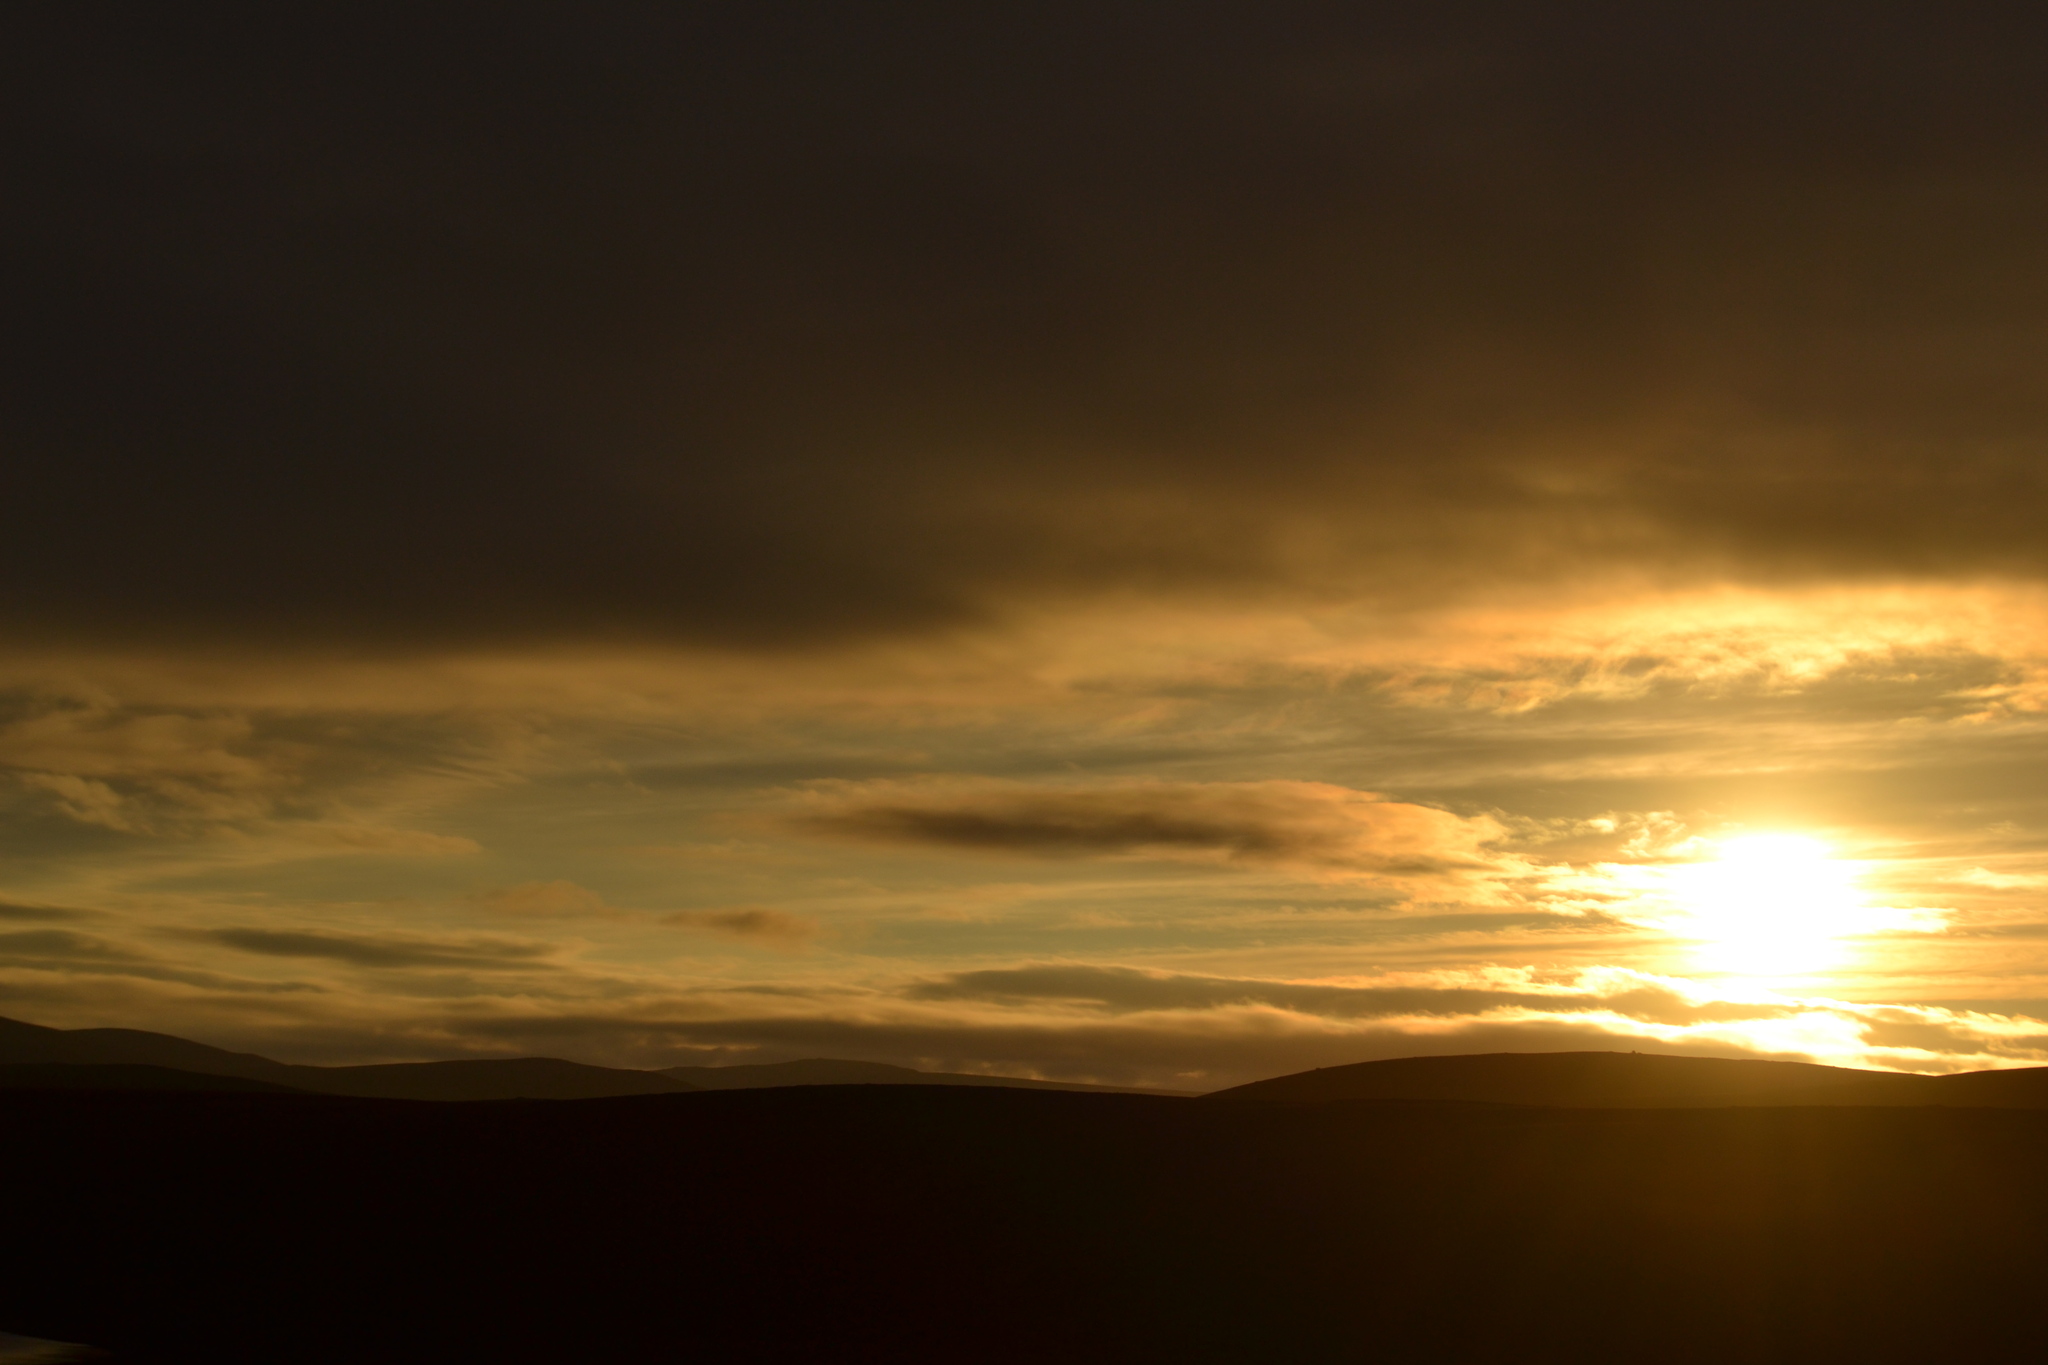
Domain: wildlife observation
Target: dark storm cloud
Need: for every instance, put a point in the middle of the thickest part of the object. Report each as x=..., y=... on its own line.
x=1312, y=826
x=385, y=951
x=779, y=323
x=1125, y=990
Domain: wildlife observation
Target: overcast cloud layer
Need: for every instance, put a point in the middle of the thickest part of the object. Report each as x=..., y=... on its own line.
x=1157, y=541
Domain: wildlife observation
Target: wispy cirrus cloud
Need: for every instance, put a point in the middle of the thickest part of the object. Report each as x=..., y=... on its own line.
x=85, y=958
x=1125, y=990
x=556, y=899
x=561, y=899
x=381, y=952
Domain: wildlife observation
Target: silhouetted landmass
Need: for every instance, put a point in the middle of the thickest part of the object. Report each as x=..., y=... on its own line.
x=20, y=1042
x=119, y=1076
x=510, y=1078
x=2019, y=1088
x=1629, y=1080
x=832, y=1071
x=539, y=1078
x=1624, y=1080
x=993, y=1226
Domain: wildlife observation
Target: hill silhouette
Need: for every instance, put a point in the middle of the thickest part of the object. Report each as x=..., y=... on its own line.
x=469, y=1079
x=1631, y=1080
x=833, y=1071
x=22, y=1042
x=910, y=1224
x=539, y=1078
x=120, y=1076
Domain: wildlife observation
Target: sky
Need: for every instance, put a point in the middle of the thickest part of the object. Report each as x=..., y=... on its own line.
x=1152, y=543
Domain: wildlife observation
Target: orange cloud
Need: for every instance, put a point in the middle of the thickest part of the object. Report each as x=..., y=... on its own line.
x=1313, y=827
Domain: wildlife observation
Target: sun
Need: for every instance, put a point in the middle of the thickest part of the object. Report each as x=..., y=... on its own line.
x=1770, y=905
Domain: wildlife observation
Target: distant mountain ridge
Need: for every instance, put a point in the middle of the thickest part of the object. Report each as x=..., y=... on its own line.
x=127, y=1076
x=1631, y=1080
x=539, y=1078
x=32, y=1056
x=123, y=1056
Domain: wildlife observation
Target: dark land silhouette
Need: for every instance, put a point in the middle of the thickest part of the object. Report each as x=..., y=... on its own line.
x=1632, y=1080
x=509, y=1078
x=128, y=1076
x=953, y=1224
x=472, y=1079
x=1517, y=1206
x=833, y=1071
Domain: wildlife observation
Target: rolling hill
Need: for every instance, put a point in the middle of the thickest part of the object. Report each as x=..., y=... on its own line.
x=540, y=1078
x=1630, y=1080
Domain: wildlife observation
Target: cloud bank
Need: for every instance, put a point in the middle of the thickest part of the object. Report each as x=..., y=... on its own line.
x=723, y=326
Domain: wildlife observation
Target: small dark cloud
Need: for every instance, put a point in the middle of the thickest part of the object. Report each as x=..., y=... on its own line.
x=10, y=910
x=1310, y=826
x=381, y=953
x=762, y=924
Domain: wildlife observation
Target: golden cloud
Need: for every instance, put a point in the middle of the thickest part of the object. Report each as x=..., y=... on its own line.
x=1312, y=827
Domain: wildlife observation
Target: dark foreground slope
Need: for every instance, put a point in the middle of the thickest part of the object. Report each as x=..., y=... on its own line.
x=960, y=1225
x=1630, y=1080
x=115, y=1076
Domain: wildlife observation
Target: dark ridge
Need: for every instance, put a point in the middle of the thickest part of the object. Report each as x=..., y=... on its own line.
x=539, y=1078
x=1631, y=1080
x=2019, y=1088
x=21, y=1042
x=126, y=1076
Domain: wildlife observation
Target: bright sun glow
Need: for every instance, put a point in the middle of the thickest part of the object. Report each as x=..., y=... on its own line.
x=1771, y=905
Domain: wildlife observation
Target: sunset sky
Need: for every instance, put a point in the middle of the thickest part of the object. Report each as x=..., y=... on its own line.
x=1156, y=543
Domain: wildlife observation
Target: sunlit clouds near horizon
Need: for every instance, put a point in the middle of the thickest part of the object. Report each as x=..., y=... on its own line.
x=1061, y=543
